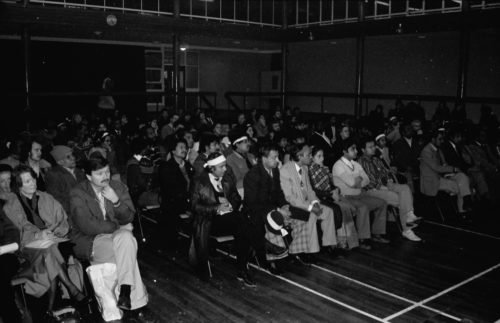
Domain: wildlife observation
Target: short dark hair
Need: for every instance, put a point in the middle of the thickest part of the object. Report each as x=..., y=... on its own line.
x=18, y=171
x=266, y=148
x=315, y=150
x=174, y=141
x=5, y=168
x=296, y=149
x=206, y=140
x=137, y=146
x=363, y=141
x=346, y=143
x=95, y=162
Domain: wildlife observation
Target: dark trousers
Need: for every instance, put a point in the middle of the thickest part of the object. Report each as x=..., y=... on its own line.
x=8, y=268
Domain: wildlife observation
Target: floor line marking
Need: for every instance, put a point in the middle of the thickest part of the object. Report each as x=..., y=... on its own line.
x=464, y=230
x=310, y=290
x=419, y=304
x=386, y=292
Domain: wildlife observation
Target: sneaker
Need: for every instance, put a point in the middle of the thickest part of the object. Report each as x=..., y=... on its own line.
x=410, y=235
x=363, y=244
x=244, y=276
x=412, y=217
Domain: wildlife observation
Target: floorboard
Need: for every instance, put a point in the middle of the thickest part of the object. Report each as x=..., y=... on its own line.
x=366, y=286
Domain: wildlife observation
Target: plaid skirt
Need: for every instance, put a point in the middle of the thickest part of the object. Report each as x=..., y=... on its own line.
x=302, y=242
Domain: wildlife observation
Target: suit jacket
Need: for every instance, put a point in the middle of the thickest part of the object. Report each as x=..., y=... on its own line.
x=404, y=156
x=431, y=169
x=290, y=183
x=204, y=202
x=87, y=218
x=453, y=157
x=59, y=183
x=174, y=188
x=263, y=193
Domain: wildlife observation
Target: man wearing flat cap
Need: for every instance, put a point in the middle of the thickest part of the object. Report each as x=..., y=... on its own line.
x=61, y=178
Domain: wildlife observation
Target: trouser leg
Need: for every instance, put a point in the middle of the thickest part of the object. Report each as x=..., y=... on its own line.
x=328, y=227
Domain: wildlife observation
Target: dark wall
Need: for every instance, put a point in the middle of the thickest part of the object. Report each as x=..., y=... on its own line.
x=72, y=67
x=232, y=71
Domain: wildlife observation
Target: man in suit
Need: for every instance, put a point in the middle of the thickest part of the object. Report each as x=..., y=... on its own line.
x=102, y=212
x=263, y=194
x=176, y=178
x=61, y=178
x=300, y=194
x=406, y=151
x=452, y=152
x=216, y=204
x=436, y=175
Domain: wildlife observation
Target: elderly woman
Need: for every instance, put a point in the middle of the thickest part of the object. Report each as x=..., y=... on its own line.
x=41, y=221
x=322, y=184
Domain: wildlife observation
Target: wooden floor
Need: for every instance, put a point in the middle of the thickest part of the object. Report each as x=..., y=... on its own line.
x=453, y=275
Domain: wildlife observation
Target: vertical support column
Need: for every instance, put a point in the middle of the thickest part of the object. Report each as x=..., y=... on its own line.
x=360, y=57
x=175, y=61
x=177, y=9
x=284, y=53
x=463, y=56
x=26, y=39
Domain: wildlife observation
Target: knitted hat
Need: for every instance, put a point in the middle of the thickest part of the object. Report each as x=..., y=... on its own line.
x=275, y=223
x=60, y=152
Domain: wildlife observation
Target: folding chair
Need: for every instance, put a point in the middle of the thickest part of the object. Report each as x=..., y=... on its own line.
x=219, y=240
x=393, y=216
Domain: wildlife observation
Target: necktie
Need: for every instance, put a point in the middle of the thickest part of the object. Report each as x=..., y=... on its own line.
x=102, y=204
x=301, y=182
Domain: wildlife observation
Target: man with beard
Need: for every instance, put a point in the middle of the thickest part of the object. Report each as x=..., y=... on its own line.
x=102, y=213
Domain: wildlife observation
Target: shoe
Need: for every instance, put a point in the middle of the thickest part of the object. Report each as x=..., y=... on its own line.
x=410, y=235
x=335, y=252
x=301, y=259
x=412, y=218
x=379, y=239
x=244, y=276
x=363, y=244
x=124, y=298
x=275, y=269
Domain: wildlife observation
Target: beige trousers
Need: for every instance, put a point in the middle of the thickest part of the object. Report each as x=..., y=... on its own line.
x=120, y=248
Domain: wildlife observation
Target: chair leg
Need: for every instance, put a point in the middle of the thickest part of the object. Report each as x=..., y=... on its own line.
x=139, y=220
x=438, y=207
x=209, y=268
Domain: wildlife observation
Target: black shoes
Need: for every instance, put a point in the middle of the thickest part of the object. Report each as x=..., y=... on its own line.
x=335, y=253
x=275, y=269
x=245, y=277
x=304, y=259
x=124, y=298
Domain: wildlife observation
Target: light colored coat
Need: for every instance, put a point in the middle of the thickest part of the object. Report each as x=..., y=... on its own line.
x=290, y=184
x=50, y=210
x=431, y=168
